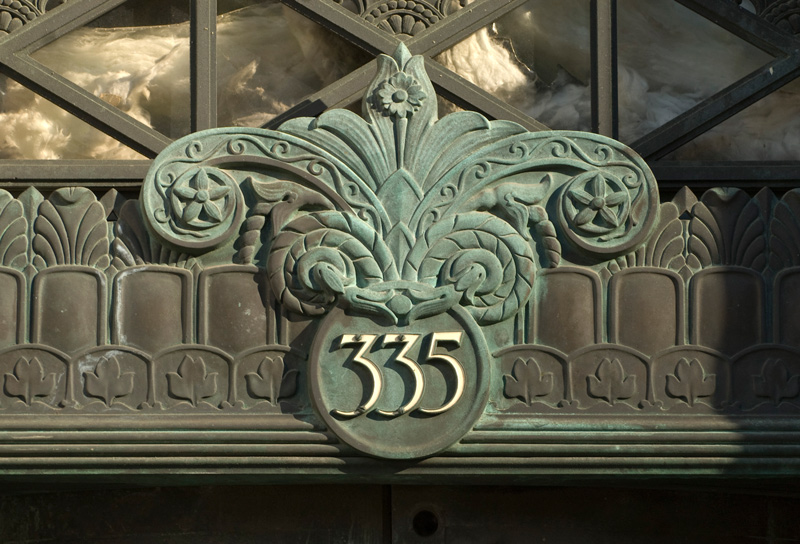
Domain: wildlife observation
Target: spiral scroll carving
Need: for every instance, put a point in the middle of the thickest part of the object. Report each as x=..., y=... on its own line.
x=482, y=257
x=318, y=257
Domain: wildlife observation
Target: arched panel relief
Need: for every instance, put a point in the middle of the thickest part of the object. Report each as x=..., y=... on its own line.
x=786, y=310
x=691, y=379
x=233, y=303
x=153, y=307
x=767, y=378
x=13, y=307
x=113, y=379
x=646, y=309
x=35, y=379
x=727, y=308
x=69, y=308
x=568, y=308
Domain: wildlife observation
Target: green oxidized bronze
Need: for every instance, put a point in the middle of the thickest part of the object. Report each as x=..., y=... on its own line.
x=402, y=215
x=398, y=285
x=408, y=221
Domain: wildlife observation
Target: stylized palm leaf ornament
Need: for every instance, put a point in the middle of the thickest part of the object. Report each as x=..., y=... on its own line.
x=404, y=215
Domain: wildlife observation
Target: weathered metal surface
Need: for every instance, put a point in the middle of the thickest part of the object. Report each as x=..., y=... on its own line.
x=245, y=514
x=403, y=296
x=203, y=63
x=228, y=514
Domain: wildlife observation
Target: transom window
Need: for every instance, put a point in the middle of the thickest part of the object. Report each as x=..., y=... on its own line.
x=705, y=91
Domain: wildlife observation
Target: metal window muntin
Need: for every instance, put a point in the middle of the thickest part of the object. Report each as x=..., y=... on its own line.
x=15, y=61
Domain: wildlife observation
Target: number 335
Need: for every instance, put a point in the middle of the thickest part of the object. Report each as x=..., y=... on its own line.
x=365, y=342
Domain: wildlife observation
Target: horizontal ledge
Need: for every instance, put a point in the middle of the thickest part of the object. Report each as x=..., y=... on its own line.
x=765, y=173
x=589, y=450
x=625, y=438
x=356, y=465
x=167, y=452
x=81, y=172
x=635, y=424
x=208, y=423
x=144, y=437
x=170, y=451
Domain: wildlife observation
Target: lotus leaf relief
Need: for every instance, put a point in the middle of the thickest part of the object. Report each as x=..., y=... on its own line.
x=397, y=213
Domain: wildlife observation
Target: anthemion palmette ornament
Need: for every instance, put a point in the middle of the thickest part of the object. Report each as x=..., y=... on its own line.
x=406, y=235
x=398, y=283
x=396, y=294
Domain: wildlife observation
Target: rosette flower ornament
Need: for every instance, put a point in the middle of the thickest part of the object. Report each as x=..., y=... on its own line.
x=598, y=197
x=401, y=95
x=199, y=195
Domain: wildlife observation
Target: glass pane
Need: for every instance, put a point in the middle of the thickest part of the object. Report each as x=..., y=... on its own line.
x=143, y=70
x=769, y=130
x=34, y=128
x=536, y=58
x=670, y=59
x=269, y=58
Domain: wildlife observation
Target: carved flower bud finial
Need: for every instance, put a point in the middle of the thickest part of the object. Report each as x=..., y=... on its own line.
x=401, y=95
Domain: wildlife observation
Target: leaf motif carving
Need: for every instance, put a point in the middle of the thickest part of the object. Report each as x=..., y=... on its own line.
x=321, y=257
x=527, y=381
x=71, y=228
x=29, y=381
x=690, y=382
x=784, y=232
x=486, y=261
x=134, y=246
x=192, y=382
x=727, y=228
x=13, y=233
x=272, y=381
x=611, y=383
x=108, y=382
x=776, y=382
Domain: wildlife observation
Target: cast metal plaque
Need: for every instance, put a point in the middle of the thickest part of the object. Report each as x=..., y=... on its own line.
x=401, y=293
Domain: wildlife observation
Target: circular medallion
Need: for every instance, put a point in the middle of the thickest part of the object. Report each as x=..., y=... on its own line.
x=600, y=214
x=200, y=209
x=399, y=392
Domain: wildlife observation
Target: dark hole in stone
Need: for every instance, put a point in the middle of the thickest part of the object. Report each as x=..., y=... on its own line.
x=425, y=523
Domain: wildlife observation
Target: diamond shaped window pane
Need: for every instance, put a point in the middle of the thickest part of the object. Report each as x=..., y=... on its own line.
x=136, y=58
x=768, y=130
x=35, y=128
x=670, y=59
x=535, y=58
x=270, y=58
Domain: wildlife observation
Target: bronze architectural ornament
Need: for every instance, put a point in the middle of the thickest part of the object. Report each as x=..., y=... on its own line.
x=353, y=291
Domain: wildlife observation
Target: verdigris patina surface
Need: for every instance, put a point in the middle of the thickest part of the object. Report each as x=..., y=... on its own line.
x=455, y=291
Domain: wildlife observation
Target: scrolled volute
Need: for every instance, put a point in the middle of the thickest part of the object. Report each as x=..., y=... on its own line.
x=481, y=257
x=325, y=257
x=190, y=204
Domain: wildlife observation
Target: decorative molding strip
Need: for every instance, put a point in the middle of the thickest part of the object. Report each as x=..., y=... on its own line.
x=394, y=282
x=408, y=17
x=15, y=13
